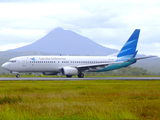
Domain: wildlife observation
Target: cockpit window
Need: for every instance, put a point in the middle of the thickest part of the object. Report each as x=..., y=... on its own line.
x=13, y=61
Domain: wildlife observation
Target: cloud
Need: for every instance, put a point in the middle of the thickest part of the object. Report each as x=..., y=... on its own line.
x=106, y=22
x=22, y=1
x=10, y=36
x=12, y=46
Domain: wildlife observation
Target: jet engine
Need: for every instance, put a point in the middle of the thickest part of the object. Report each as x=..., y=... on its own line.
x=69, y=71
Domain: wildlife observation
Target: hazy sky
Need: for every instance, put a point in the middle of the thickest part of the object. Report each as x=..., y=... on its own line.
x=107, y=22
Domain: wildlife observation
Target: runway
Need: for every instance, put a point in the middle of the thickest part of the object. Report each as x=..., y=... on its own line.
x=87, y=78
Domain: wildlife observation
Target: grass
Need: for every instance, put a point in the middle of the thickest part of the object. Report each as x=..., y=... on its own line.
x=78, y=100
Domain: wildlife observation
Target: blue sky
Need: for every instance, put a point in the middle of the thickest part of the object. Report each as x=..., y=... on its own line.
x=107, y=22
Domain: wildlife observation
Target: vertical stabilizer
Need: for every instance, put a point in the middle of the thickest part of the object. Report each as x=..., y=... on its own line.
x=130, y=46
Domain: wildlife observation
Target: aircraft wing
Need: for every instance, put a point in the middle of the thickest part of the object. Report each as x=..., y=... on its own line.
x=94, y=66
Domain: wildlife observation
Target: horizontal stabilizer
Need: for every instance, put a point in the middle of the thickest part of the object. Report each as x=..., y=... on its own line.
x=144, y=57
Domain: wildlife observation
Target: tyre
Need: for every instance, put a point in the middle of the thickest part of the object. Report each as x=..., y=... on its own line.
x=80, y=75
x=68, y=76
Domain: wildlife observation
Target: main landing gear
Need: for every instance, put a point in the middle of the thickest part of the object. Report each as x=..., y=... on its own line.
x=17, y=76
x=80, y=75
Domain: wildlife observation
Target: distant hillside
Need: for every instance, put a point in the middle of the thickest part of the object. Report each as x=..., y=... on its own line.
x=151, y=64
x=60, y=41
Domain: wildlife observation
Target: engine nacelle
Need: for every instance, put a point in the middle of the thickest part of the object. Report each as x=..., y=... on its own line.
x=69, y=71
x=49, y=73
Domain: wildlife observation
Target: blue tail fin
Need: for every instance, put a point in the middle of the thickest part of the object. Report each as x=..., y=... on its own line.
x=129, y=49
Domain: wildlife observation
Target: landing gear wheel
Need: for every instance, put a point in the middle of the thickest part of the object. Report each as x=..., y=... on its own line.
x=80, y=75
x=17, y=76
x=68, y=76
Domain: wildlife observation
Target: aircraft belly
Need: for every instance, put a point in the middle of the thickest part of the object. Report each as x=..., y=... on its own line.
x=42, y=68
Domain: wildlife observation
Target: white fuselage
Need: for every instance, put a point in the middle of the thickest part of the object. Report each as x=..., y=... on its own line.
x=52, y=63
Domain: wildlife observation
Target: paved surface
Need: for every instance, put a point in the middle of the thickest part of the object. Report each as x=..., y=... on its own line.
x=93, y=78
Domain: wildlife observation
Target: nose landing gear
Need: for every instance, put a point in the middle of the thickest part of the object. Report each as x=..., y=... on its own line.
x=17, y=76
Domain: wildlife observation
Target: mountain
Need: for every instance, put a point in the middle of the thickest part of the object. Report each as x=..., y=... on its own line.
x=60, y=41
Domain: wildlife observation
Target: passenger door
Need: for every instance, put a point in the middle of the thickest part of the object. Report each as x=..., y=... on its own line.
x=24, y=62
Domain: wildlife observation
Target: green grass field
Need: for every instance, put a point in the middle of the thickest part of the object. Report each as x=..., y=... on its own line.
x=66, y=100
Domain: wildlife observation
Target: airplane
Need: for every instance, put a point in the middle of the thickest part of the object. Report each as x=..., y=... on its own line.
x=76, y=65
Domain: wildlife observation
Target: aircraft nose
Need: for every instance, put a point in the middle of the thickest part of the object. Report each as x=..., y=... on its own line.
x=5, y=66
